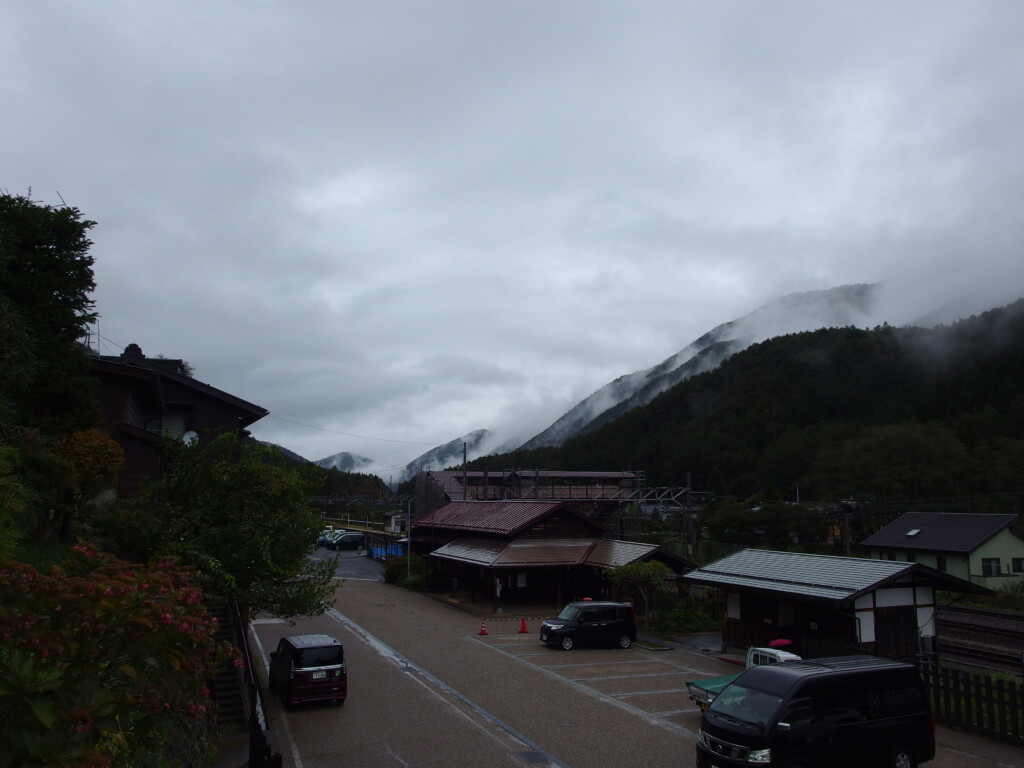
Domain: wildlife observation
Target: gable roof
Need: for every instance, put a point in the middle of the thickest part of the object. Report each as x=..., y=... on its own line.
x=819, y=577
x=159, y=376
x=939, y=531
x=505, y=518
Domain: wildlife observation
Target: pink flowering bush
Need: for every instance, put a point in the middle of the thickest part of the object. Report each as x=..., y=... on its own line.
x=98, y=658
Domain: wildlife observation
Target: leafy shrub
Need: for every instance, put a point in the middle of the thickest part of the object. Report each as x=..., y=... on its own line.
x=101, y=661
x=680, y=621
x=397, y=570
x=413, y=582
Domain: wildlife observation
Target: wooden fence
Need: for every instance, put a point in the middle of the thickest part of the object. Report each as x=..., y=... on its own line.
x=989, y=705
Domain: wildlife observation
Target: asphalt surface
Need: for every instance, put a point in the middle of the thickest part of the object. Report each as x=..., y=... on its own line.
x=426, y=688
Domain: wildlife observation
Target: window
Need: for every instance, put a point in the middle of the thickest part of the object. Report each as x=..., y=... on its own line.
x=940, y=564
x=910, y=557
x=990, y=566
x=1018, y=565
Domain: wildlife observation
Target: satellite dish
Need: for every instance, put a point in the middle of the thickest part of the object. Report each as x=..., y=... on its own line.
x=189, y=437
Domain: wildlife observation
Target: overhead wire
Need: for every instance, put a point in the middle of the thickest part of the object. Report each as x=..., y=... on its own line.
x=101, y=338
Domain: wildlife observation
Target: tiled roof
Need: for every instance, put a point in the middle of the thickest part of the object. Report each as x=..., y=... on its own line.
x=496, y=517
x=939, y=531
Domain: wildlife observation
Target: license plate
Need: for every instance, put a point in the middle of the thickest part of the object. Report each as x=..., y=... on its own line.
x=320, y=675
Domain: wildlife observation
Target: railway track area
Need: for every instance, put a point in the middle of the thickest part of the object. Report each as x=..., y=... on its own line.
x=981, y=638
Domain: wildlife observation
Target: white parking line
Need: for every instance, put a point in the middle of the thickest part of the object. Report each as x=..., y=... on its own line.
x=438, y=687
x=551, y=671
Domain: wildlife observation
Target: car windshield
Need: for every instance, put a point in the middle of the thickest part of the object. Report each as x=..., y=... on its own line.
x=326, y=656
x=747, y=705
x=569, y=613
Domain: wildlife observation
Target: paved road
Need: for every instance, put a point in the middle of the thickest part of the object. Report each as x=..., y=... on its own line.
x=426, y=689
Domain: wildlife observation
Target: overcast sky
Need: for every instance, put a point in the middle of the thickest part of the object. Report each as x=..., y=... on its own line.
x=392, y=223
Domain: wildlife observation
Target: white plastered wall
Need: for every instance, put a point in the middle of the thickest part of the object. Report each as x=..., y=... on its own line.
x=923, y=597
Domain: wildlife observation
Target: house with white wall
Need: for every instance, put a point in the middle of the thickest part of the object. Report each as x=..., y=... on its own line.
x=982, y=548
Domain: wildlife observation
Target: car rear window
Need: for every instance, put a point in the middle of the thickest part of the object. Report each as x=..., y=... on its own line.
x=325, y=656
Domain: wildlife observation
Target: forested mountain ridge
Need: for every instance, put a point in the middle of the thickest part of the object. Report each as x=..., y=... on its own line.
x=883, y=414
x=834, y=307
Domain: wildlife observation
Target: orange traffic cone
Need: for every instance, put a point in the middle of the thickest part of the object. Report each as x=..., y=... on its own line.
x=522, y=627
x=483, y=627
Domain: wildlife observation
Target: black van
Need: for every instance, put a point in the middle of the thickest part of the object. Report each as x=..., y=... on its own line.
x=309, y=668
x=820, y=713
x=590, y=622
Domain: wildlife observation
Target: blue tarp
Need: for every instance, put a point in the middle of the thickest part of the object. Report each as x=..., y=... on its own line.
x=383, y=553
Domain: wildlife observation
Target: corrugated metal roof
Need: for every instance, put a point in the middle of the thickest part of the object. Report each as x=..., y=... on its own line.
x=476, y=551
x=824, y=576
x=939, y=531
x=500, y=517
x=610, y=553
x=602, y=553
x=545, y=552
x=548, y=473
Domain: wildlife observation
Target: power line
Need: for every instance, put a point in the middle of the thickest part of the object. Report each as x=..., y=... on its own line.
x=348, y=434
x=101, y=338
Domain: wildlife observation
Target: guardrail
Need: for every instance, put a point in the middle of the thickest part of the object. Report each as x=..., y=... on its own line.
x=261, y=755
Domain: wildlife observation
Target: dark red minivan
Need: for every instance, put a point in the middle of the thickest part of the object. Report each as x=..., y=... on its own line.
x=309, y=668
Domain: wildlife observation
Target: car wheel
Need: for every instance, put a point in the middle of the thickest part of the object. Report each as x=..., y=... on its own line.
x=567, y=643
x=625, y=641
x=903, y=758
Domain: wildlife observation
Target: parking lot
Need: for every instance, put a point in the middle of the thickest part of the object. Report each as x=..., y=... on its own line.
x=647, y=681
x=505, y=697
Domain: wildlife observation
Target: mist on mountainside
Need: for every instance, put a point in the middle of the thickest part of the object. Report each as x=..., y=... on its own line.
x=857, y=305
x=836, y=307
x=345, y=462
x=886, y=415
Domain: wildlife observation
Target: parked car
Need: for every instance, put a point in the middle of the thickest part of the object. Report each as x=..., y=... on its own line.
x=347, y=540
x=309, y=668
x=325, y=541
x=841, y=712
x=325, y=534
x=703, y=691
x=590, y=622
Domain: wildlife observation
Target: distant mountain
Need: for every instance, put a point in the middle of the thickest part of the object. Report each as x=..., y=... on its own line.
x=891, y=414
x=345, y=462
x=290, y=454
x=478, y=443
x=838, y=307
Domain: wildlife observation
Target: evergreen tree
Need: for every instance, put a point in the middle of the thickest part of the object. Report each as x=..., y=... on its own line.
x=46, y=279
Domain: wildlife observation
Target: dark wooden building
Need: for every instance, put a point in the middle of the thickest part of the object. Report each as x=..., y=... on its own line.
x=143, y=399
x=524, y=552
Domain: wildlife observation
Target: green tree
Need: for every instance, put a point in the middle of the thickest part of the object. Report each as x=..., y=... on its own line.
x=46, y=279
x=894, y=461
x=240, y=513
x=645, y=576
